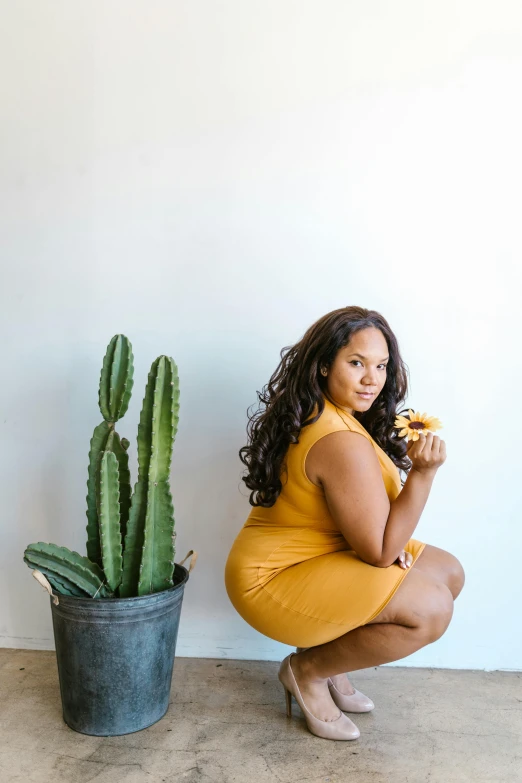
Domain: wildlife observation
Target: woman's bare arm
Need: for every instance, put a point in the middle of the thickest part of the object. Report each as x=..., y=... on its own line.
x=405, y=512
x=350, y=474
x=348, y=469
x=427, y=454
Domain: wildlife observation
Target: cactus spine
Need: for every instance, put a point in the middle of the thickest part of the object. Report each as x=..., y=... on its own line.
x=130, y=537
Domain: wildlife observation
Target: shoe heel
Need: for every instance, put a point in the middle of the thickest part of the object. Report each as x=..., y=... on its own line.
x=342, y=728
x=288, y=703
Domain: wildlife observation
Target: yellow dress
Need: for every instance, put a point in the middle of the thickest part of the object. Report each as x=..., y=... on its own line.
x=290, y=573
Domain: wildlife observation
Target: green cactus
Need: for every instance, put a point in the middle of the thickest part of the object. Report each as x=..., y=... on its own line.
x=130, y=537
x=116, y=382
x=108, y=497
x=157, y=563
x=74, y=567
x=60, y=583
x=63, y=586
x=104, y=439
x=116, y=379
x=148, y=561
x=98, y=446
x=117, y=446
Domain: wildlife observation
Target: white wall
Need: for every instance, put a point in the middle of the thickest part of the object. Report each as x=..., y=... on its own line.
x=211, y=177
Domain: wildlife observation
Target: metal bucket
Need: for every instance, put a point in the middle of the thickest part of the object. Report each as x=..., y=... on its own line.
x=116, y=657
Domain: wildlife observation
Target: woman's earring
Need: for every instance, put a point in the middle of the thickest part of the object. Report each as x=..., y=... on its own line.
x=323, y=371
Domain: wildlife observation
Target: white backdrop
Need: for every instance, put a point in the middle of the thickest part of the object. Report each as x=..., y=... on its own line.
x=209, y=178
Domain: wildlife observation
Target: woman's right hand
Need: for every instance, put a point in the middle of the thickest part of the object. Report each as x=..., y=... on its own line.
x=427, y=453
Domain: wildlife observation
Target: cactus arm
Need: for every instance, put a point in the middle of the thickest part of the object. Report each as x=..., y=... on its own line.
x=126, y=390
x=105, y=439
x=133, y=547
x=62, y=588
x=157, y=562
x=121, y=377
x=116, y=378
x=124, y=479
x=145, y=427
x=105, y=381
x=134, y=541
x=98, y=445
x=74, y=567
x=109, y=515
x=60, y=583
x=164, y=424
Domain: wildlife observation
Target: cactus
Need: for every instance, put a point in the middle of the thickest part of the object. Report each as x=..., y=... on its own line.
x=116, y=379
x=60, y=583
x=157, y=563
x=64, y=563
x=130, y=536
x=116, y=382
x=148, y=562
x=108, y=498
x=104, y=439
x=98, y=444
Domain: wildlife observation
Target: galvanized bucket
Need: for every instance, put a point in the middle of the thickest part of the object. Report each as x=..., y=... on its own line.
x=116, y=657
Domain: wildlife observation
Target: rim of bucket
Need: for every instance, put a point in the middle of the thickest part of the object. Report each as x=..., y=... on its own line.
x=89, y=599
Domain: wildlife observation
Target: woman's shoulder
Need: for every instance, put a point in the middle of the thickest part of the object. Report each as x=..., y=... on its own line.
x=332, y=415
x=332, y=419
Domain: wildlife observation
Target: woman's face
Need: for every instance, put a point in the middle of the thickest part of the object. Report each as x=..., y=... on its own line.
x=351, y=373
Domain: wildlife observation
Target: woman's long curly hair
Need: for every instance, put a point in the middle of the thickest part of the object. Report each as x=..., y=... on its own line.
x=297, y=386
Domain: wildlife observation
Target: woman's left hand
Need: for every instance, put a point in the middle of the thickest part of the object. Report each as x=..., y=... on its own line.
x=405, y=559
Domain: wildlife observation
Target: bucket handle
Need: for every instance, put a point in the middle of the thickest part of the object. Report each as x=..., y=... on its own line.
x=45, y=584
x=192, y=559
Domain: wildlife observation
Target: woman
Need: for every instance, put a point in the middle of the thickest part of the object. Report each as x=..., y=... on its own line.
x=323, y=557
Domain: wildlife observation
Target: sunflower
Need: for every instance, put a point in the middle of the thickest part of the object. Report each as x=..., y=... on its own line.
x=416, y=422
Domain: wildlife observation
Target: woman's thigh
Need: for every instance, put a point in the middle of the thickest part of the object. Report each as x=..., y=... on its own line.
x=420, y=602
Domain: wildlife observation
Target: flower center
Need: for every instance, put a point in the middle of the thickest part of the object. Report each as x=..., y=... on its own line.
x=417, y=425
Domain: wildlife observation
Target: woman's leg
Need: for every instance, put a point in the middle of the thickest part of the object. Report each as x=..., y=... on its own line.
x=418, y=614
x=443, y=567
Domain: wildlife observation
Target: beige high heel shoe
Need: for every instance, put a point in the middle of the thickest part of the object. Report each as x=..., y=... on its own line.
x=354, y=702
x=341, y=728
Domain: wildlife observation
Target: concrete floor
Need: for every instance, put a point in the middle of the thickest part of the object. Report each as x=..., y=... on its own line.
x=227, y=724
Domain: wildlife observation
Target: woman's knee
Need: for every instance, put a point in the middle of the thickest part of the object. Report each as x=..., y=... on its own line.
x=421, y=602
x=442, y=566
x=438, y=611
x=457, y=577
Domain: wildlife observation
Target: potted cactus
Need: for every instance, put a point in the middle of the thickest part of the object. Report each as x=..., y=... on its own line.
x=116, y=610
